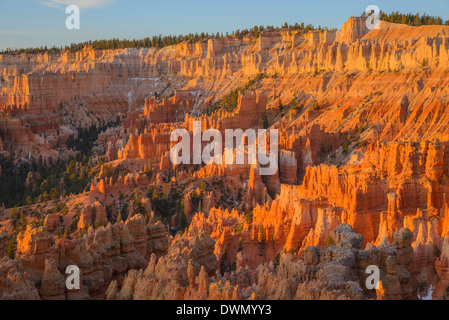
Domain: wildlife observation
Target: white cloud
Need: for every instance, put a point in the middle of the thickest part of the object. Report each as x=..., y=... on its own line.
x=59, y=4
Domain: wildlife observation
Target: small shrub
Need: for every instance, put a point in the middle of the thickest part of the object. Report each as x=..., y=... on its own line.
x=329, y=241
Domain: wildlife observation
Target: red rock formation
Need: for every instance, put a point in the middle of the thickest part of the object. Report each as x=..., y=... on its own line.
x=100, y=254
x=52, y=284
x=390, y=220
x=168, y=278
x=15, y=284
x=374, y=157
x=352, y=30
x=3, y=243
x=442, y=268
x=33, y=247
x=92, y=216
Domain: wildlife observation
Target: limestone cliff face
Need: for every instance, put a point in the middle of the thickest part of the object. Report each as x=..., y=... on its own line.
x=352, y=30
x=324, y=64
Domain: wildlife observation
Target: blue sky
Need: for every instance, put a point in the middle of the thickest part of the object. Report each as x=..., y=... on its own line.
x=35, y=23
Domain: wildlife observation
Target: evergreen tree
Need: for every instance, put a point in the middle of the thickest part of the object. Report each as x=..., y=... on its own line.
x=15, y=213
x=417, y=21
x=11, y=253
x=265, y=122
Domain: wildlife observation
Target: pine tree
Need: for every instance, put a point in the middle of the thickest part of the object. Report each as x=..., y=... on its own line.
x=256, y=31
x=417, y=21
x=262, y=236
x=15, y=213
x=293, y=104
x=11, y=253
x=265, y=122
